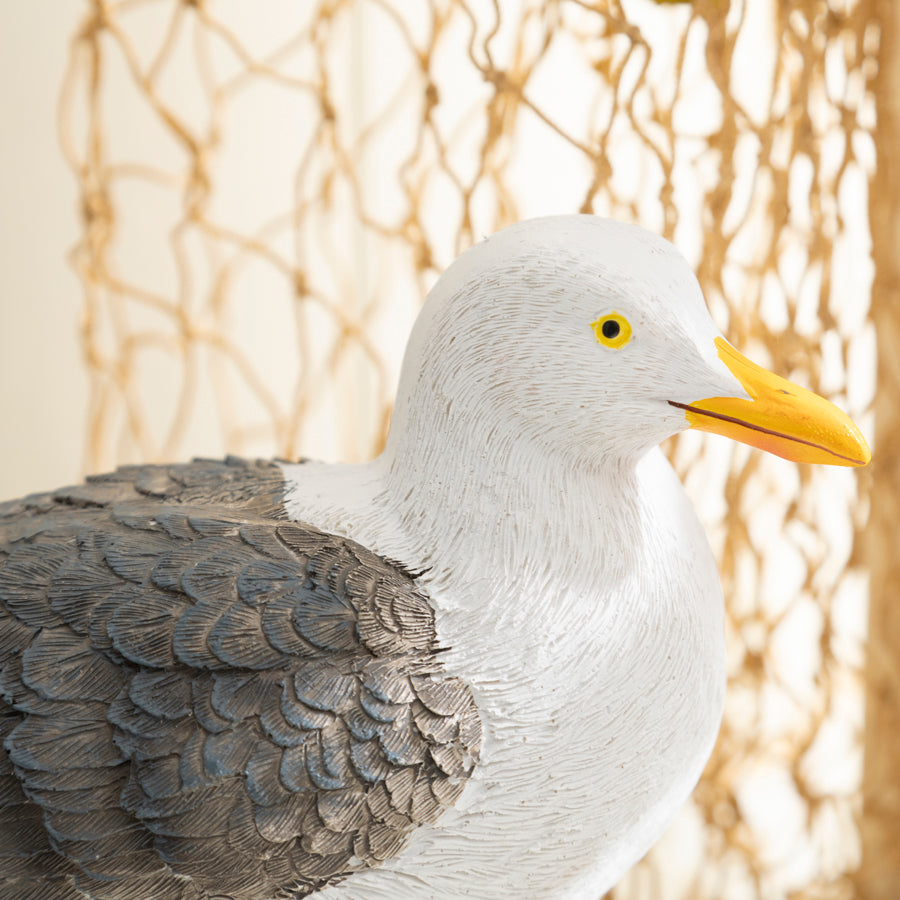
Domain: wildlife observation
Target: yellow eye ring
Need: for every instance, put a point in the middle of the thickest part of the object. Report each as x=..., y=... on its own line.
x=612, y=330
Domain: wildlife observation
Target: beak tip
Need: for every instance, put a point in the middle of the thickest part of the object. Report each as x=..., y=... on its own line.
x=854, y=447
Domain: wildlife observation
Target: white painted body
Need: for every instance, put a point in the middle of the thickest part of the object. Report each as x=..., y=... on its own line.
x=569, y=574
x=595, y=732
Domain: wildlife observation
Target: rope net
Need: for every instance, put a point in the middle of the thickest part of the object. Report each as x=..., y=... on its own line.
x=266, y=200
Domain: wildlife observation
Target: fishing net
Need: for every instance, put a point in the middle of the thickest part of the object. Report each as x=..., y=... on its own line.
x=267, y=197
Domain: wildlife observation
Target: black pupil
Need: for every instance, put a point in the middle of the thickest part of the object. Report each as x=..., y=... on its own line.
x=610, y=329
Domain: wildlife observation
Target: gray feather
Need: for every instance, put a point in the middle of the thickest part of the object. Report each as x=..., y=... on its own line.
x=202, y=699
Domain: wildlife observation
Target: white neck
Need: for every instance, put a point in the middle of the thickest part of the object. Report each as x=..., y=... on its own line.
x=474, y=499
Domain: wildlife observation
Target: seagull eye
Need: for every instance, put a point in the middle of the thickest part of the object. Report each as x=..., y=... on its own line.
x=612, y=330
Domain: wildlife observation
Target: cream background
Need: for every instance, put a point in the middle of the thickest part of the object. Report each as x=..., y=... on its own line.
x=44, y=386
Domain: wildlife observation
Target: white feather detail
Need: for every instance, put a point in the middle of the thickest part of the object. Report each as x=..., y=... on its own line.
x=569, y=574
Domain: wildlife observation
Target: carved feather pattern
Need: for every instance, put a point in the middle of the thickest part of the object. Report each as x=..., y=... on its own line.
x=201, y=699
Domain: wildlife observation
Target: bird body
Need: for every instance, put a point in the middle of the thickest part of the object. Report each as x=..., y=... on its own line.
x=592, y=738
x=488, y=663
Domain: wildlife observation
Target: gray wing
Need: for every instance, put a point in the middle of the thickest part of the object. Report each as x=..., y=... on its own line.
x=202, y=699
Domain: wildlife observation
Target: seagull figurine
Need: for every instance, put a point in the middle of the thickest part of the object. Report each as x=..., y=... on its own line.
x=489, y=663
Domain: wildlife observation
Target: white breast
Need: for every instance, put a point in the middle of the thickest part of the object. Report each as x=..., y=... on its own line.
x=600, y=706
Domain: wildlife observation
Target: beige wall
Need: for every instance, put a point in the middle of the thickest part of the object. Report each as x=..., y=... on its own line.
x=43, y=387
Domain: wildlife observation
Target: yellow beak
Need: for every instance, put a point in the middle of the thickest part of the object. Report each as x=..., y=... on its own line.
x=781, y=417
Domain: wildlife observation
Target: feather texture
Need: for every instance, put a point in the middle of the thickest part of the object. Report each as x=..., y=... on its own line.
x=201, y=699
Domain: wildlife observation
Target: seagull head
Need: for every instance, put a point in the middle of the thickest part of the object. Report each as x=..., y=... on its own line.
x=591, y=337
